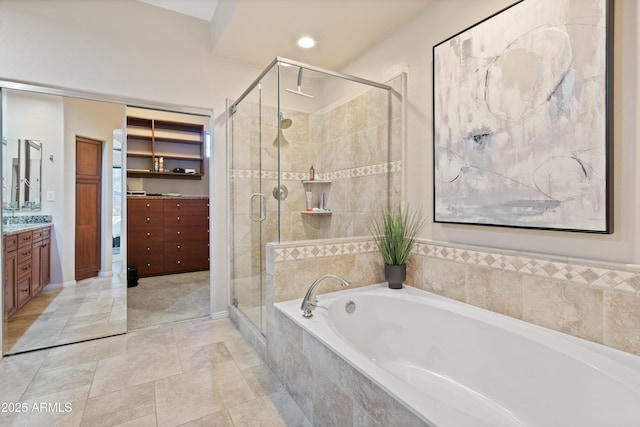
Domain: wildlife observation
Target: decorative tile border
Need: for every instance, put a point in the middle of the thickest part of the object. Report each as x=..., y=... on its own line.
x=309, y=249
x=604, y=276
x=599, y=275
x=369, y=170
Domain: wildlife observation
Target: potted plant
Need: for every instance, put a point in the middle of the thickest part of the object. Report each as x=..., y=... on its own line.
x=394, y=233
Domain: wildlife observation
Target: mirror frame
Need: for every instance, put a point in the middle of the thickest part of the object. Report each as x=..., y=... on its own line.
x=91, y=96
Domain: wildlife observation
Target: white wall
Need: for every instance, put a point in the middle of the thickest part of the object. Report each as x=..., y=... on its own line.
x=411, y=49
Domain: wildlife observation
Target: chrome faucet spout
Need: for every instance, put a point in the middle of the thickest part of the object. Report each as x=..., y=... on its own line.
x=309, y=301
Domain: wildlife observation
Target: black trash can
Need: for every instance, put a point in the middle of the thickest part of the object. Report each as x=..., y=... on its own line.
x=132, y=277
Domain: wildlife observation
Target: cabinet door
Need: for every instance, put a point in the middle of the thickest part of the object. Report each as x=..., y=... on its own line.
x=36, y=268
x=10, y=282
x=45, y=261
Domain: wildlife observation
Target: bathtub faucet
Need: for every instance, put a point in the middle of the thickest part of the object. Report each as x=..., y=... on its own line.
x=307, y=305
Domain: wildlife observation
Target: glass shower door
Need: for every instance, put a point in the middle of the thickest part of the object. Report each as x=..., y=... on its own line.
x=254, y=213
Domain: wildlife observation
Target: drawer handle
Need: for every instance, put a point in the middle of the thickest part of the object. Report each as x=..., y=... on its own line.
x=25, y=290
x=25, y=268
x=178, y=247
x=45, y=245
x=179, y=261
x=178, y=205
x=148, y=234
x=148, y=250
x=148, y=205
x=148, y=265
x=25, y=253
x=148, y=220
x=178, y=219
x=178, y=233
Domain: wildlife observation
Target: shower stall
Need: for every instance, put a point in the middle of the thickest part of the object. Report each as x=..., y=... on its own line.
x=293, y=118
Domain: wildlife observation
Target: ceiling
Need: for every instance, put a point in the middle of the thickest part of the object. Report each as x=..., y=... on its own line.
x=256, y=31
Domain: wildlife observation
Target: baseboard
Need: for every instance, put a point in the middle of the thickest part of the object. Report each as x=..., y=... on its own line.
x=220, y=315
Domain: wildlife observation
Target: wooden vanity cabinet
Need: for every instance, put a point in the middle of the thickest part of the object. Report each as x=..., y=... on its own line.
x=168, y=235
x=26, y=266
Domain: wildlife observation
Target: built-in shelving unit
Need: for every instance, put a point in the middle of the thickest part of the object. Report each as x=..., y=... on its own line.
x=179, y=144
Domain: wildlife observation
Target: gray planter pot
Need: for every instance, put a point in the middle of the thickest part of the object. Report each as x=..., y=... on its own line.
x=395, y=275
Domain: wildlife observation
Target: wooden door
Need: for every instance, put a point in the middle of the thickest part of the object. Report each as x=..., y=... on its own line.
x=88, y=207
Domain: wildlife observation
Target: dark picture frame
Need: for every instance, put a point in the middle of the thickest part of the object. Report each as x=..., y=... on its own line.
x=522, y=119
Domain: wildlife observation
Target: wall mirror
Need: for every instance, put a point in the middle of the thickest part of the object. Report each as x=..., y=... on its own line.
x=46, y=303
x=21, y=172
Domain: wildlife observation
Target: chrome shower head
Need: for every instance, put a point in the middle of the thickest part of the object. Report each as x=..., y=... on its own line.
x=285, y=123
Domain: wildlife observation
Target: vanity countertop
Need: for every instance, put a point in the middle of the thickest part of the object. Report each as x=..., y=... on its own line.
x=8, y=229
x=167, y=197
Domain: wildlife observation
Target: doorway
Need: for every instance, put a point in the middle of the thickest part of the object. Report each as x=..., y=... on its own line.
x=88, y=207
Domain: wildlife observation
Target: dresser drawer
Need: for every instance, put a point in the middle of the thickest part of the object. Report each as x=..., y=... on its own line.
x=24, y=254
x=186, y=212
x=24, y=269
x=25, y=239
x=140, y=236
x=186, y=234
x=145, y=213
x=23, y=289
x=11, y=242
x=151, y=263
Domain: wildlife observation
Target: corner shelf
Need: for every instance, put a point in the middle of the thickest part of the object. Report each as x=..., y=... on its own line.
x=180, y=144
x=320, y=213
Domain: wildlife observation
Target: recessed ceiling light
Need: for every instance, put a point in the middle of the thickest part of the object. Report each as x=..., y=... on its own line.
x=306, y=42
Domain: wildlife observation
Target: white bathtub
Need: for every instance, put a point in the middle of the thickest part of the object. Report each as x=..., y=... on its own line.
x=453, y=364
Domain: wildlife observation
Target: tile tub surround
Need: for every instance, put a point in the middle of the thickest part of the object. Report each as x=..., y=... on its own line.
x=588, y=299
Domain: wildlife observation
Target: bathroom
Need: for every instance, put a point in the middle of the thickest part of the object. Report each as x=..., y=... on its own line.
x=407, y=50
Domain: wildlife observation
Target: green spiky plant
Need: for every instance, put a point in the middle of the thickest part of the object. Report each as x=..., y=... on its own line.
x=395, y=234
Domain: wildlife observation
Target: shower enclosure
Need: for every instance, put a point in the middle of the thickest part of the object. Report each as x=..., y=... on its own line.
x=294, y=117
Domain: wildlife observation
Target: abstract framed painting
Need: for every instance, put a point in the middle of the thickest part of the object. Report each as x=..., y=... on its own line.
x=522, y=119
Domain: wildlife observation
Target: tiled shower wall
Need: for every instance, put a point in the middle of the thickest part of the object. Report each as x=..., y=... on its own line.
x=355, y=144
x=595, y=301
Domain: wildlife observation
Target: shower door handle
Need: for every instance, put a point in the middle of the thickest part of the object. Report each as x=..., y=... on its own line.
x=263, y=210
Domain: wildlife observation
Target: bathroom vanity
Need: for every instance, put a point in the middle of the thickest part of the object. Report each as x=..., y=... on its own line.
x=167, y=235
x=27, y=265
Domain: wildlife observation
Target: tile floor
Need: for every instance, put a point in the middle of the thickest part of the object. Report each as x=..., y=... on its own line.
x=91, y=308
x=195, y=373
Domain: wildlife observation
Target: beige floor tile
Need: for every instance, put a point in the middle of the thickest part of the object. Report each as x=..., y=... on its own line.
x=146, y=421
x=210, y=355
x=186, y=397
x=120, y=372
x=277, y=409
x=145, y=340
x=219, y=419
x=121, y=406
x=16, y=372
x=201, y=332
x=63, y=409
x=242, y=353
x=261, y=380
x=48, y=381
x=82, y=352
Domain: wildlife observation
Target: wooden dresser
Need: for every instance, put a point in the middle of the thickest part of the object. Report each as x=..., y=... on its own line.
x=27, y=265
x=167, y=235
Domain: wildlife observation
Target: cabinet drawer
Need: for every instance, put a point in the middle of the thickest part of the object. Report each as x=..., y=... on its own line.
x=141, y=236
x=11, y=242
x=25, y=239
x=24, y=269
x=186, y=234
x=24, y=254
x=23, y=290
x=145, y=250
x=185, y=260
x=144, y=212
x=186, y=212
x=147, y=264
x=37, y=235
